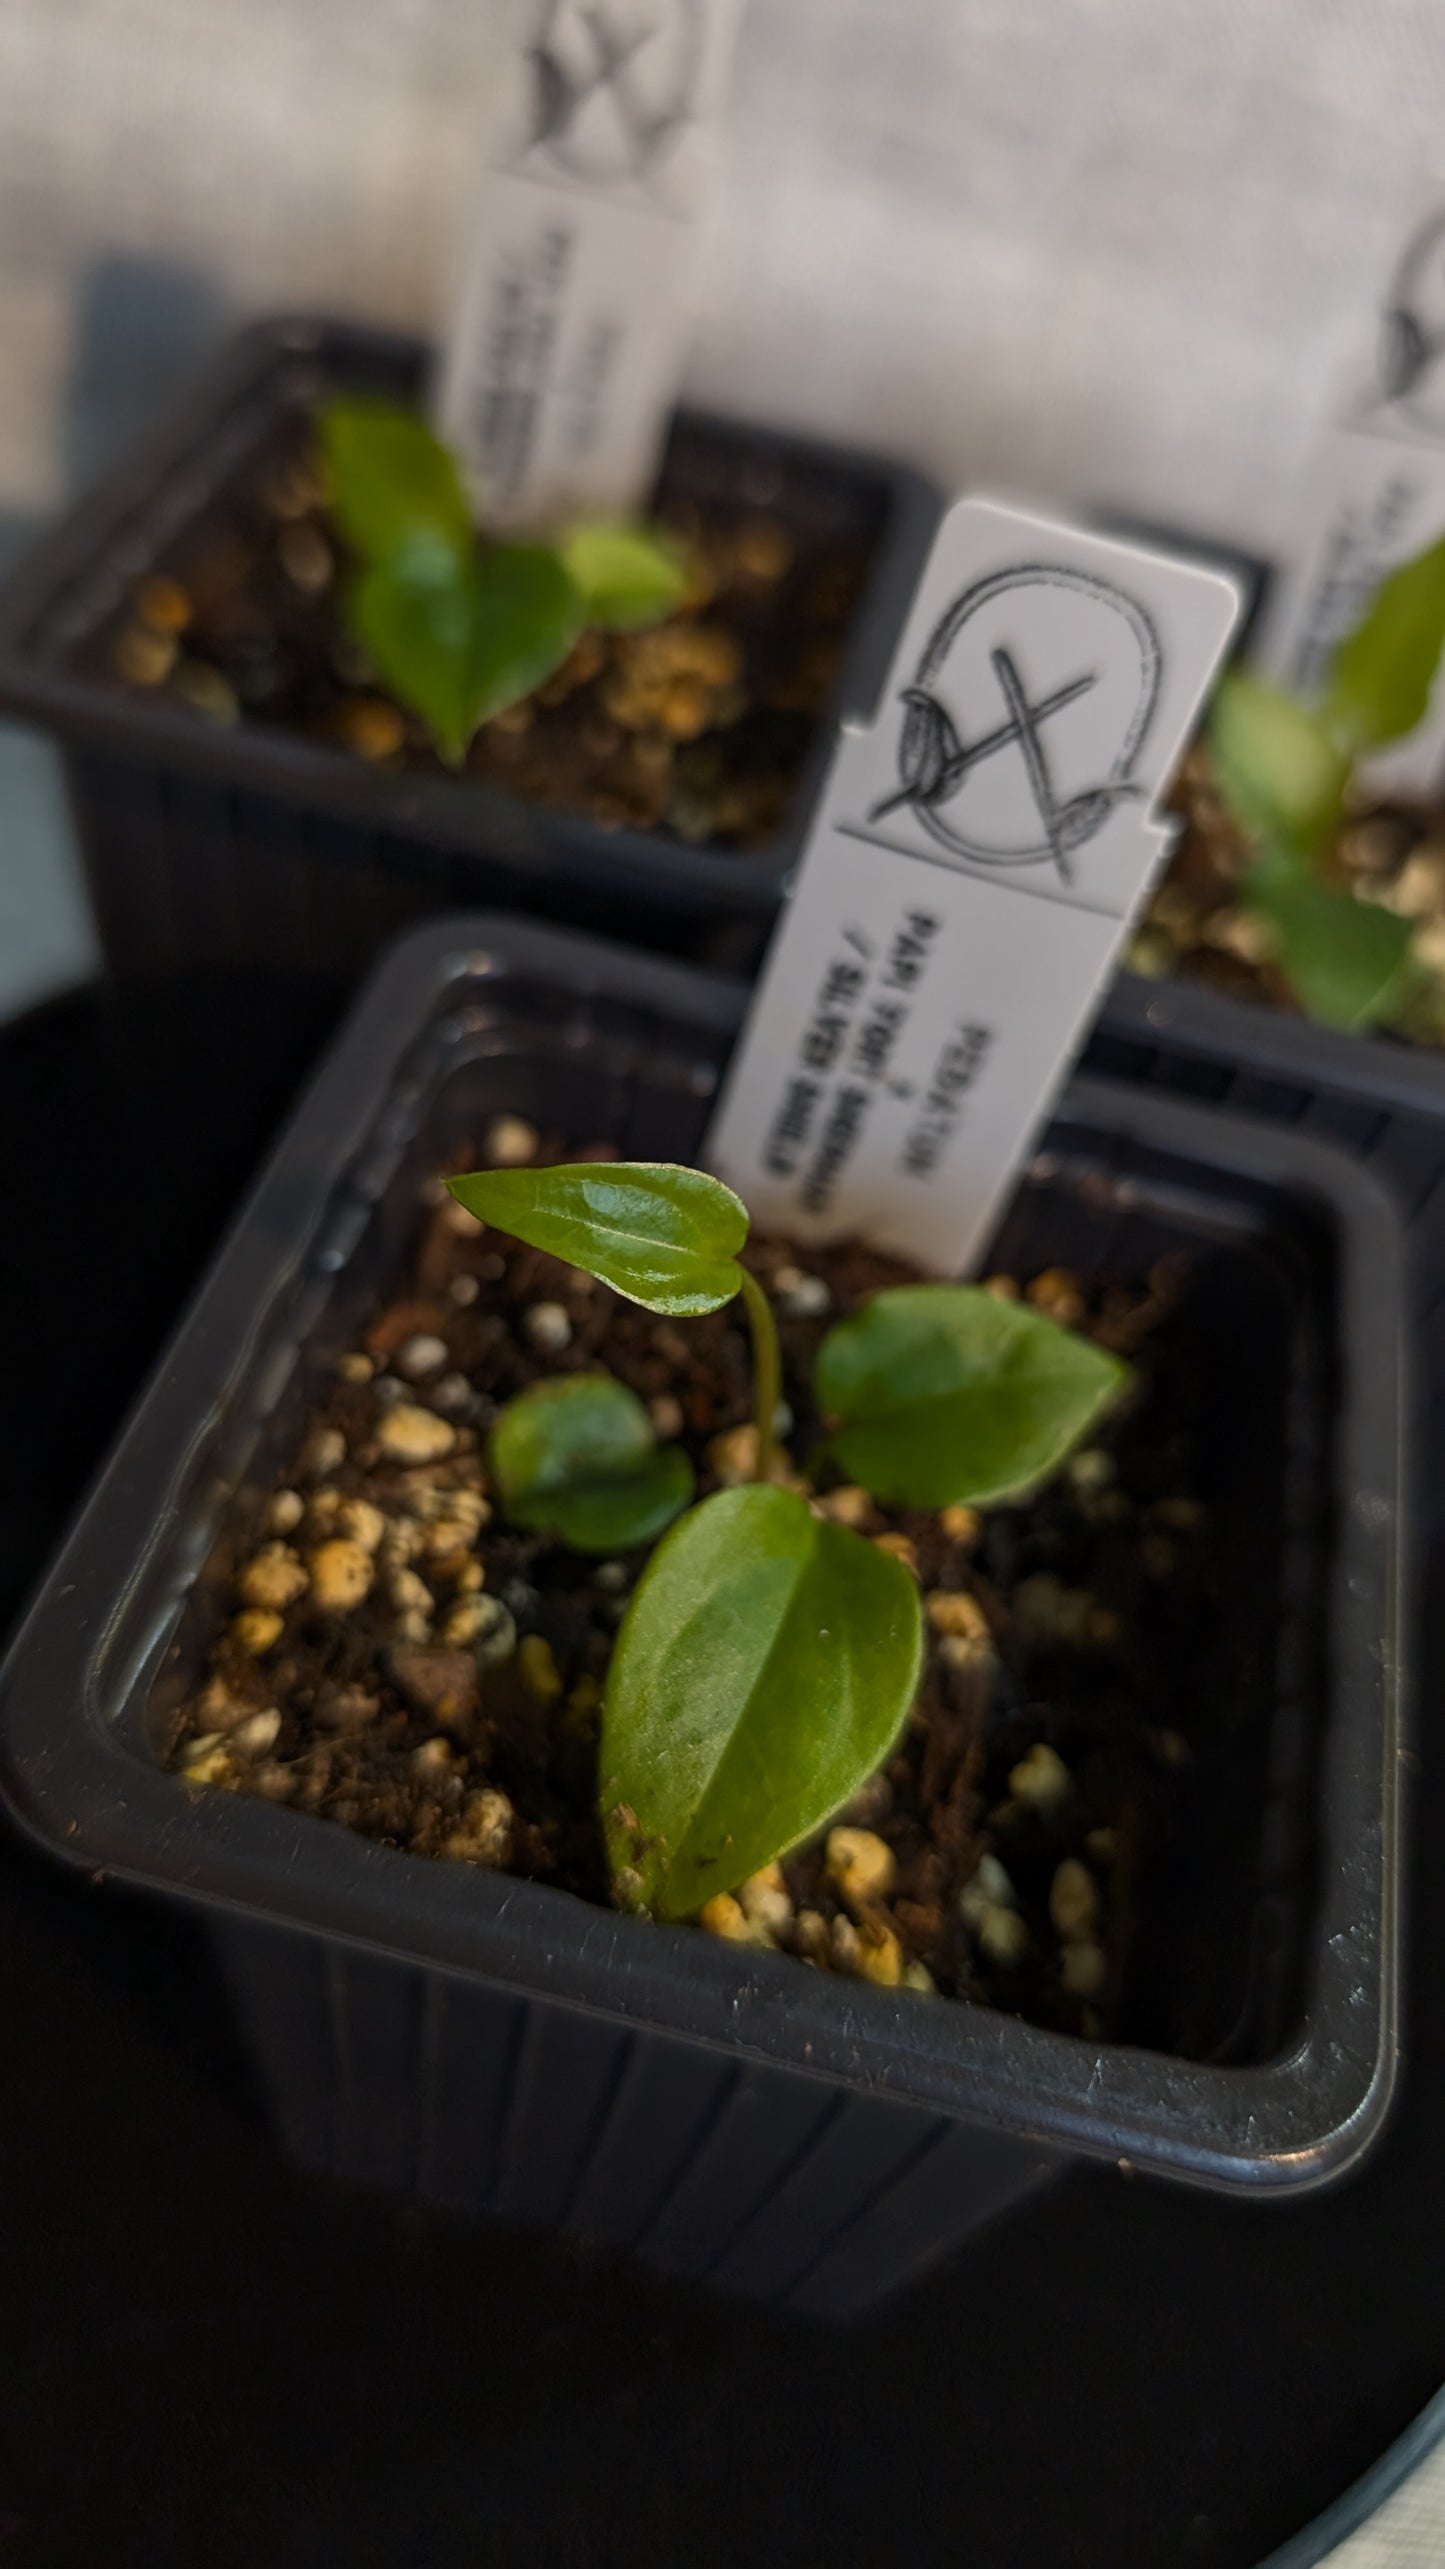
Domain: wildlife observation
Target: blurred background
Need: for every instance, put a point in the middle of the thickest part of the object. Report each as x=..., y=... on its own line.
x=1119, y=251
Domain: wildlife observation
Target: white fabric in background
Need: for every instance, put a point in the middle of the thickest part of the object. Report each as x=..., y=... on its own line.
x=1114, y=248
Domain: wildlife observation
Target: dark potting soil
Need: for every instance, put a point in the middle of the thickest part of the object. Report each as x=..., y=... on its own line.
x=1197, y=926
x=697, y=727
x=399, y=1661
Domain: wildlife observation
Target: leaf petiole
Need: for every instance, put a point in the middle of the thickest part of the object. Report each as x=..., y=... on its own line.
x=767, y=1370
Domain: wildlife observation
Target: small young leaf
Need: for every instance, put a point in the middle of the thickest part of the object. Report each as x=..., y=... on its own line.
x=576, y=1457
x=392, y=480
x=764, y=1669
x=662, y=1236
x=1280, y=772
x=1346, y=961
x=526, y=615
x=613, y=1516
x=628, y=576
x=1382, y=674
x=459, y=638
x=413, y=613
x=945, y=1393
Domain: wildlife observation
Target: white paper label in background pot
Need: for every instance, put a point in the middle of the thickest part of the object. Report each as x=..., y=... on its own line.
x=1376, y=495
x=570, y=333
x=978, y=857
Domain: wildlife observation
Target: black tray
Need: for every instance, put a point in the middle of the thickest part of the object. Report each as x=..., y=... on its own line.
x=252, y=851
x=1383, y=1102
x=207, y=2357
x=498, y=2047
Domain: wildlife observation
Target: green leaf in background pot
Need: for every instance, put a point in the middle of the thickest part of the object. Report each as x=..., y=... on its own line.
x=413, y=614
x=1382, y=674
x=629, y=576
x=392, y=480
x=1347, y=961
x=526, y=616
x=1278, y=769
x=459, y=638
x=665, y=1237
x=944, y=1393
x=764, y=1669
x=576, y=1457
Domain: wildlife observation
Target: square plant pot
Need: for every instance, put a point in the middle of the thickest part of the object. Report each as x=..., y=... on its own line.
x=1380, y=1100
x=252, y=851
x=503, y=2047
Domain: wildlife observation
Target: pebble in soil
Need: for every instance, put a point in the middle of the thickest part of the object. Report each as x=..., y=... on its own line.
x=697, y=727
x=402, y=1663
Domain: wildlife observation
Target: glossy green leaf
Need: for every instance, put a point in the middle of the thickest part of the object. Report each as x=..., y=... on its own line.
x=392, y=480
x=763, y=1671
x=1346, y=961
x=665, y=1237
x=576, y=1456
x=1382, y=674
x=413, y=614
x=1278, y=769
x=945, y=1393
x=460, y=637
x=629, y=576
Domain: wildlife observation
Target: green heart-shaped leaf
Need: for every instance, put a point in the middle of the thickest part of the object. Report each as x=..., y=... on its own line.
x=665, y=1237
x=576, y=1457
x=526, y=615
x=1382, y=675
x=459, y=639
x=945, y=1393
x=763, y=1671
x=629, y=576
x=1282, y=775
x=1346, y=961
x=392, y=480
x=413, y=613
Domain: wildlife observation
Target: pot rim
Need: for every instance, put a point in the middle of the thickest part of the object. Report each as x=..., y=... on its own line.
x=1249, y=1034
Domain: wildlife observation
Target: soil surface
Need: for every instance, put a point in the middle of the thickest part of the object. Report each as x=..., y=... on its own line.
x=697, y=727
x=399, y=1661
x=1389, y=854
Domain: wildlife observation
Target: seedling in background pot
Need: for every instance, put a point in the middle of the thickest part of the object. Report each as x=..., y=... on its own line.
x=768, y=1658
x=458, y=628
x=1287, y=772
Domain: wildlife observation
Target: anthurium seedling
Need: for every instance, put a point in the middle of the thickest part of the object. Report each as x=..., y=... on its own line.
x=768, y=1657
x=459, y=628
x=1287, y=771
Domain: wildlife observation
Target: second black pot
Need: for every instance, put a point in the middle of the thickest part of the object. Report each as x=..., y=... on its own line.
x=252, y=851
x=1381, y=1101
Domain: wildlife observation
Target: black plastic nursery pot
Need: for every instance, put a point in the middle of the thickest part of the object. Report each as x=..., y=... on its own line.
x=494, y=2045
x=253, y=851
x=1379, y=1100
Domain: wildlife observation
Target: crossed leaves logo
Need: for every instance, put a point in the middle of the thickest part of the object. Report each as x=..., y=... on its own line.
x=1410, y=367
x=614, y=86
x=1026, y=716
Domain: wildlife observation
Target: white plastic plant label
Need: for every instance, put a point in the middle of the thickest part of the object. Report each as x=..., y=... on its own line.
x=978, y=857
x=570, y=332
x=1376, y=496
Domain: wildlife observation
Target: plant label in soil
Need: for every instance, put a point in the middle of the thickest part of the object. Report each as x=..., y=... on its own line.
x=1374, y=497
x=570, y=331
x=979, y=855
